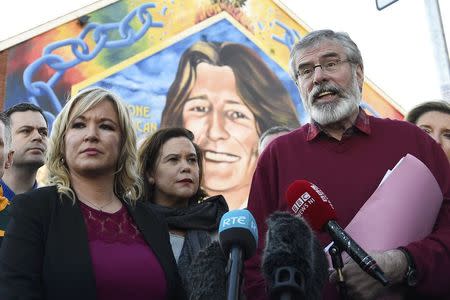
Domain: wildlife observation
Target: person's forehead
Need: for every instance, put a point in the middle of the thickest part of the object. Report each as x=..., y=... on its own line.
x=320, y=50
x=27, y=118
x=175, y=144
x=434, y=118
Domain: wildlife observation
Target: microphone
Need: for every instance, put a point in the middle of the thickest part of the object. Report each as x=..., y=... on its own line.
x=206, y=278
x=294, y=264
x=238, y=237
x=307, y=200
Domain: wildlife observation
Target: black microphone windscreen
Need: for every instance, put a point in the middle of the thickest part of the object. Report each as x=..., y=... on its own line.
x=206, y=277
x=290, y=242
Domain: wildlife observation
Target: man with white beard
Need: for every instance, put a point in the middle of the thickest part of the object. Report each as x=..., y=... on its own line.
x=346, y=153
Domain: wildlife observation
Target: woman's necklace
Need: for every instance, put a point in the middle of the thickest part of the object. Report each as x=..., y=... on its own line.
x=99, y=207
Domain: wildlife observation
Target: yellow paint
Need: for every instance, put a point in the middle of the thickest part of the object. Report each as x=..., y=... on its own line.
x=145, y=127
x=139, y=111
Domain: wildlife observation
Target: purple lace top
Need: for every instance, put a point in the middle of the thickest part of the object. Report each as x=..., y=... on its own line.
x=124, y=266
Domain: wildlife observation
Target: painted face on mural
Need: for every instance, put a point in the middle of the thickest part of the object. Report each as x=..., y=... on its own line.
x=224, y=127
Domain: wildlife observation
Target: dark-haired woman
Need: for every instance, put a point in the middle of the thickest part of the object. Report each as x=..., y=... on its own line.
x=171, y=165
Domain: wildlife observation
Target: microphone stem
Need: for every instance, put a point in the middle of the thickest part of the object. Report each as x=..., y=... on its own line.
x=234, y=276
x=338, y=264
x=347, y=244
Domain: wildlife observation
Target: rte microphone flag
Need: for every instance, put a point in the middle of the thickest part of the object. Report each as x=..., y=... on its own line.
x=238, y=237
x=238, y=228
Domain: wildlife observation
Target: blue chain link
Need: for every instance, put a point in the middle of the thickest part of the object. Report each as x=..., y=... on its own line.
x=80, y=49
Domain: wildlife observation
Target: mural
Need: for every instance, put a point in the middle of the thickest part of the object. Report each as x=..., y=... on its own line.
x=218, y=68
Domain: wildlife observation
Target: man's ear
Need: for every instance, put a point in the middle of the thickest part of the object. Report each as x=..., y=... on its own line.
x=360, y=76
x=9, y=159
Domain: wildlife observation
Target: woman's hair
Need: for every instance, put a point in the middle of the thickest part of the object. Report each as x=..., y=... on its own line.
x=127, y=183
x=150, y=151
x=419, y=110
x=258, y=87
x=315, y=37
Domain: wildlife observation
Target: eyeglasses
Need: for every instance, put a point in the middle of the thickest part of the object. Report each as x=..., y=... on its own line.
x=328, y=67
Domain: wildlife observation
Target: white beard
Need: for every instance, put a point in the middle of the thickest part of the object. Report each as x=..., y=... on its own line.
x=337, y=110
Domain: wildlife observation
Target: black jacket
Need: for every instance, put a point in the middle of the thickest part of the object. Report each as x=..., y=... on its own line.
x=45, y=253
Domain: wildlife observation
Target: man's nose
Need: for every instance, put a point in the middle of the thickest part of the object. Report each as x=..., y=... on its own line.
x=318, y=74
x=37, y=136
x=216, y=127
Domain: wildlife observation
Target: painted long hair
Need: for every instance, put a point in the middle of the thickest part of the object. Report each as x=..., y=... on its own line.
x=259, y=87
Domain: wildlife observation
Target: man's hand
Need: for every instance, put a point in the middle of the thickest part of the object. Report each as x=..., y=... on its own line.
x=362, y=286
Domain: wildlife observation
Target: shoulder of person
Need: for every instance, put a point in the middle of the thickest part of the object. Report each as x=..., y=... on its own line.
x=141, y=204
x=44, y=194
x=297, y=134
x=145, y=207
x=400, y=128
x=37, y=203
x=405, y=129
x=216, y=199
x=422, y=145
x=41, y=191
x=399, y=124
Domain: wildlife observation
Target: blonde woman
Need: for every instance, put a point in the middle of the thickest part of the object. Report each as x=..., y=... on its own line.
x=87, y=236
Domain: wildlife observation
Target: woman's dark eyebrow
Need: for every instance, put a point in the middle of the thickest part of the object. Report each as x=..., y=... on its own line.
x=171, y=154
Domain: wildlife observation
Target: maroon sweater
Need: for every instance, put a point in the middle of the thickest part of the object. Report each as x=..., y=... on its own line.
x=349, y=171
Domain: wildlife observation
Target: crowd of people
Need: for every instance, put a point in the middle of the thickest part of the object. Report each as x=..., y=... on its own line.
x=118, y=222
